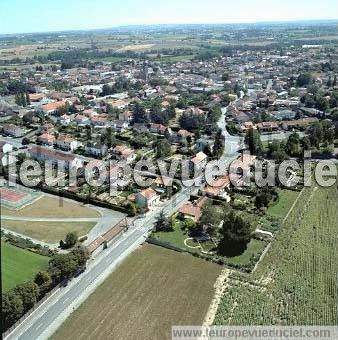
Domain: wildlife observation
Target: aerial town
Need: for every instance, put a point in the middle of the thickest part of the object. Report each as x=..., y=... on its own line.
x=121, y=234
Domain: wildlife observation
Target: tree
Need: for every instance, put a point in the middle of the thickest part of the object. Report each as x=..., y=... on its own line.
x=28, y=292
x=265, y=196
x=218, y=144
x=306, y=143
x=236, y=234
x=253, y=140
x=293, y=145
x=316, y=134
x=210, y=215
x=132, y=209
x=12, y=308
x=162, y=223
x=171, y=112
x=63, y=266
x=214, y=114
x=304, y=79
x=156, y=114
x=190, y=122
x=225, y=77
x=163, y=148
x=328, y=131
x=193, y=228
x=20, y=99
x=71, y=239
x=80, y=255
x=44, y=281
x=28, y=101
x=139, y=114
x=280, y=155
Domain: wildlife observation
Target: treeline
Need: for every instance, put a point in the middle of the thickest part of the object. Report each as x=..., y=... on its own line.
x=14, y=86
x=71, y=57
x=319, y=136
x=121, y=84
x=19, y=300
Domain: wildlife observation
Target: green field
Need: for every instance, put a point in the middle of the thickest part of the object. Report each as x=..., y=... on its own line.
x=19, y=265
x=153, y=289
x=285, y=201
x=296, y=283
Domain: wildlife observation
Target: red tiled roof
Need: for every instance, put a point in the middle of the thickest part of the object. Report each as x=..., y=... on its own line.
x=52, y=154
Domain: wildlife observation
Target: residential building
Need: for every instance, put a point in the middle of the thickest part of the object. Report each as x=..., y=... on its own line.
x=147, y=198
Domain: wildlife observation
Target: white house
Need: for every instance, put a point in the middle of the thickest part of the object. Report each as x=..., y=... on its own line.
x=67, y=142
x=96, y=149
x=147, y=198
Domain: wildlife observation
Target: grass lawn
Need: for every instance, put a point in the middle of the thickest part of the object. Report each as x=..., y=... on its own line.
x=51, y=232
x=254, y=248
x=19, y=265
x=50, y=207
x=153, y=289
x=177, y=237
x=282, y=207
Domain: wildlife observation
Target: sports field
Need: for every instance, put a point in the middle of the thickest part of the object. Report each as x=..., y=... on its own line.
x=19, y=265
x=50, y=207
x=296, y=283
x=50, y=232
x=152, y=290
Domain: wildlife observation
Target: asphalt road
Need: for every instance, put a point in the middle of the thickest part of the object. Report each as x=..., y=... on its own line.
x=45, y=320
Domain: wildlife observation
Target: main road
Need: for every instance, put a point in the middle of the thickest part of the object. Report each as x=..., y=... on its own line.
x=50, y=315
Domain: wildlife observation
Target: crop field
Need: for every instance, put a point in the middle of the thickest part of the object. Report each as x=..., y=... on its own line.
x=153, y=289
x=19, y=265
x=296, y=283
x=49, y=207
x=50, y=232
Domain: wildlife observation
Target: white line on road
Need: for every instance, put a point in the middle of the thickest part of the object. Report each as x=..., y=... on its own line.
x=39, y=326
x=65, y=300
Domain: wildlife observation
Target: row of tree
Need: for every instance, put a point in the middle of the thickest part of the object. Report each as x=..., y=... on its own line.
x=23, y=297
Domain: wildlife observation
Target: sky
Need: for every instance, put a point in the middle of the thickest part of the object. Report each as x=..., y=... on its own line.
x=23, y=16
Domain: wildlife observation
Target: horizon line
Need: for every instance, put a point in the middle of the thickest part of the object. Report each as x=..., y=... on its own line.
x=174, y=24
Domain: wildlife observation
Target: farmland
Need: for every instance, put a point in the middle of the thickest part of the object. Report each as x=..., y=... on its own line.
x=152, y=290
x=18, y=265
x=296, y=283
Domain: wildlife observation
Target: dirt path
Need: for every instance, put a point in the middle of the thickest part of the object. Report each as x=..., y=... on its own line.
x=220, y=285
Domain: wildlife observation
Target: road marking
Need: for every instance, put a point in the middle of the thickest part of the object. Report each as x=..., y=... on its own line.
x=39, y=326
x=65, y=300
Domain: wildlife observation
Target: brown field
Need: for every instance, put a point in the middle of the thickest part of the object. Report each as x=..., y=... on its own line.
x=152, y=290
x=136, y=47
x=50, y=232
x=49, y=207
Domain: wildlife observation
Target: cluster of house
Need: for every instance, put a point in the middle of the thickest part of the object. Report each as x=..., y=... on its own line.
x=257, y=81
x=274, y=126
